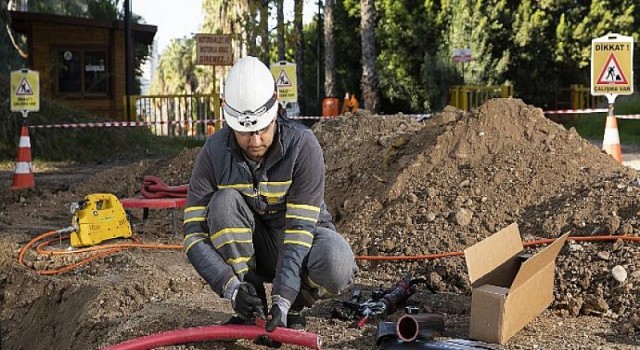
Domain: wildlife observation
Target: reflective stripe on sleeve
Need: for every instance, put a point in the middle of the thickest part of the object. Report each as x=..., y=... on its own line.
x=302, y=212
x=245, y=189
x=193, y=238
x=194, y=214
x=274, y=189
x=299, y=237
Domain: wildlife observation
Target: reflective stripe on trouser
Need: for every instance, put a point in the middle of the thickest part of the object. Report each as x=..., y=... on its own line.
x=327, y=270
x=231, y=226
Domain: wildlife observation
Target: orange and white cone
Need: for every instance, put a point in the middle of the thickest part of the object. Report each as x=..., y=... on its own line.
x=23, y=174
x=611, y=141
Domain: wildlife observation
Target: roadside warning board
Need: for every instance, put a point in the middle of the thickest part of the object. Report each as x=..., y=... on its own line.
x=25, y=91
x=612, y=65
x=214, y=49
x=284, y=74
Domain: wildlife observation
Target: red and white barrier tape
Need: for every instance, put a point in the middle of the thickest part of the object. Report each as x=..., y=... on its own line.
x=577, y=111
x=111, y=124
x=592, y=110
x=628, y=116
x=418, y=117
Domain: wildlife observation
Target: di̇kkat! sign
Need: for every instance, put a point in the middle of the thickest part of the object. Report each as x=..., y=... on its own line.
x=612, y=65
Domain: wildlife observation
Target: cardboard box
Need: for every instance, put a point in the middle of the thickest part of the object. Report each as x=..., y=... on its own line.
x=509, y=288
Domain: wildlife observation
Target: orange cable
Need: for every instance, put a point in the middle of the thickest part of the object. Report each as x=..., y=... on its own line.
x=108, y=249
x=103, y=251
x=526, y=244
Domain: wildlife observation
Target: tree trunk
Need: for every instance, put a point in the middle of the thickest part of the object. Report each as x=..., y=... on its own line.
x=329, y=53
x=280, y=29
x=264, y=32
x=297, y=23
x=369, y=81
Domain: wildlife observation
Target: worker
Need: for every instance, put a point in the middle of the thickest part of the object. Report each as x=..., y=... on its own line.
x=255, y=211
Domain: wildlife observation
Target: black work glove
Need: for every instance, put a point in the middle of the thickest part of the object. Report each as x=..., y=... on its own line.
x=246, y=302
x=276, y=318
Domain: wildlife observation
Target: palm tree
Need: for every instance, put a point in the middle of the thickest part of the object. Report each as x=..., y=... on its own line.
x=369, y=81
x=280, y=29
x=329, y=52
x=299, y=44
x=264, y=31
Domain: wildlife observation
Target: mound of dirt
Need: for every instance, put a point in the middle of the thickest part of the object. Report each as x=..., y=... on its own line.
x=397, y=187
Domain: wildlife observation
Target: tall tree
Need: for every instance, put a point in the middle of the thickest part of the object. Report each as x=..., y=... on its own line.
x=176, y=72
x=369, y=74
x=227, y=17
x=280, y=29
x=400, y=55
x=299, y=45
x=9, y=55
x=263, y=6
x=329, y=50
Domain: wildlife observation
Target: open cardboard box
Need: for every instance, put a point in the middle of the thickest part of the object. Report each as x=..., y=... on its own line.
x=509, y=288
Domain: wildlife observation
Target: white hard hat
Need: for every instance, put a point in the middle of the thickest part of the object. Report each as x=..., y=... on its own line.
x=250, y=99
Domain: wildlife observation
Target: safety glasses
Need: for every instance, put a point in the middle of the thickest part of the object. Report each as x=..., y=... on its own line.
x=249, y=118
x=257, y=132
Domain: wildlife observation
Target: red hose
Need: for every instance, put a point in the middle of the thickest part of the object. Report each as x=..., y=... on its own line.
x=221, y=332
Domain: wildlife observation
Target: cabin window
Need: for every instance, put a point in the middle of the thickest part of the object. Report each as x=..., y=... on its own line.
x=82, y=72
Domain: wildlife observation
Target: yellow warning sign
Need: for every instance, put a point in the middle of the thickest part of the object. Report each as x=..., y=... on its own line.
x=284, y=74
x=25, y=91
x=612, y=65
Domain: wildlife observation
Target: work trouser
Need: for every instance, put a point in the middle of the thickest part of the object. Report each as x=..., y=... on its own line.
x=247, y=243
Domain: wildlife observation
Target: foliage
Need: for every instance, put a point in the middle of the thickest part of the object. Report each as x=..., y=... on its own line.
x=9, y=57
x=540, y=47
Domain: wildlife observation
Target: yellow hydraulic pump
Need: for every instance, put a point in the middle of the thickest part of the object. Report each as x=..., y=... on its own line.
x=96, y=218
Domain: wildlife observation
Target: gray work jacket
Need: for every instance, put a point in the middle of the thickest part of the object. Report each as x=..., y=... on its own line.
x=286, y=191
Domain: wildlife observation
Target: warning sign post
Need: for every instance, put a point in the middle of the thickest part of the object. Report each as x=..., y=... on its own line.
x=25, y=91
x=286, y=82
x=612, y=75
x=612, y=66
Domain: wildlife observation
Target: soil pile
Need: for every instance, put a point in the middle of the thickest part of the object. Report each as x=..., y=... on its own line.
x=396, y=186
x=400, y=187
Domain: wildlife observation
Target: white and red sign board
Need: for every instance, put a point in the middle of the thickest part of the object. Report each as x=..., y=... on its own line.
x=462, y=55
x=612, y=66
x=214, y=49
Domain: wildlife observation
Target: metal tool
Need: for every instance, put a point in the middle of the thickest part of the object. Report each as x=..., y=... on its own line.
x=96, y=218
x=382, y=302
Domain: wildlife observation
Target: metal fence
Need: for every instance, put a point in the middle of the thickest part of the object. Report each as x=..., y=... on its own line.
x=467, y=97
x=184, y=116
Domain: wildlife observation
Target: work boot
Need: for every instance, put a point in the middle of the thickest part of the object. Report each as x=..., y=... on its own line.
x=296, y=320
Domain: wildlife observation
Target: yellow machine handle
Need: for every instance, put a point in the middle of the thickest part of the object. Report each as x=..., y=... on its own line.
x=100, y=201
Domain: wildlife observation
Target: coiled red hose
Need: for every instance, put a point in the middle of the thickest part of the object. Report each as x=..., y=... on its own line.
x=220, y=332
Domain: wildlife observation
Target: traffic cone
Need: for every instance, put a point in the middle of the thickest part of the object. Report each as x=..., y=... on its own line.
x=23, y=175
x=611, y=141
x=345, y=104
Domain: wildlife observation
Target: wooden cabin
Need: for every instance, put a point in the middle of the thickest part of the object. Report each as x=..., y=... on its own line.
x=81, y=61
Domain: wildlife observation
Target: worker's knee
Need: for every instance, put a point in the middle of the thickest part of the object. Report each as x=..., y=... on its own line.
x=331, y=261
x=223, y=201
